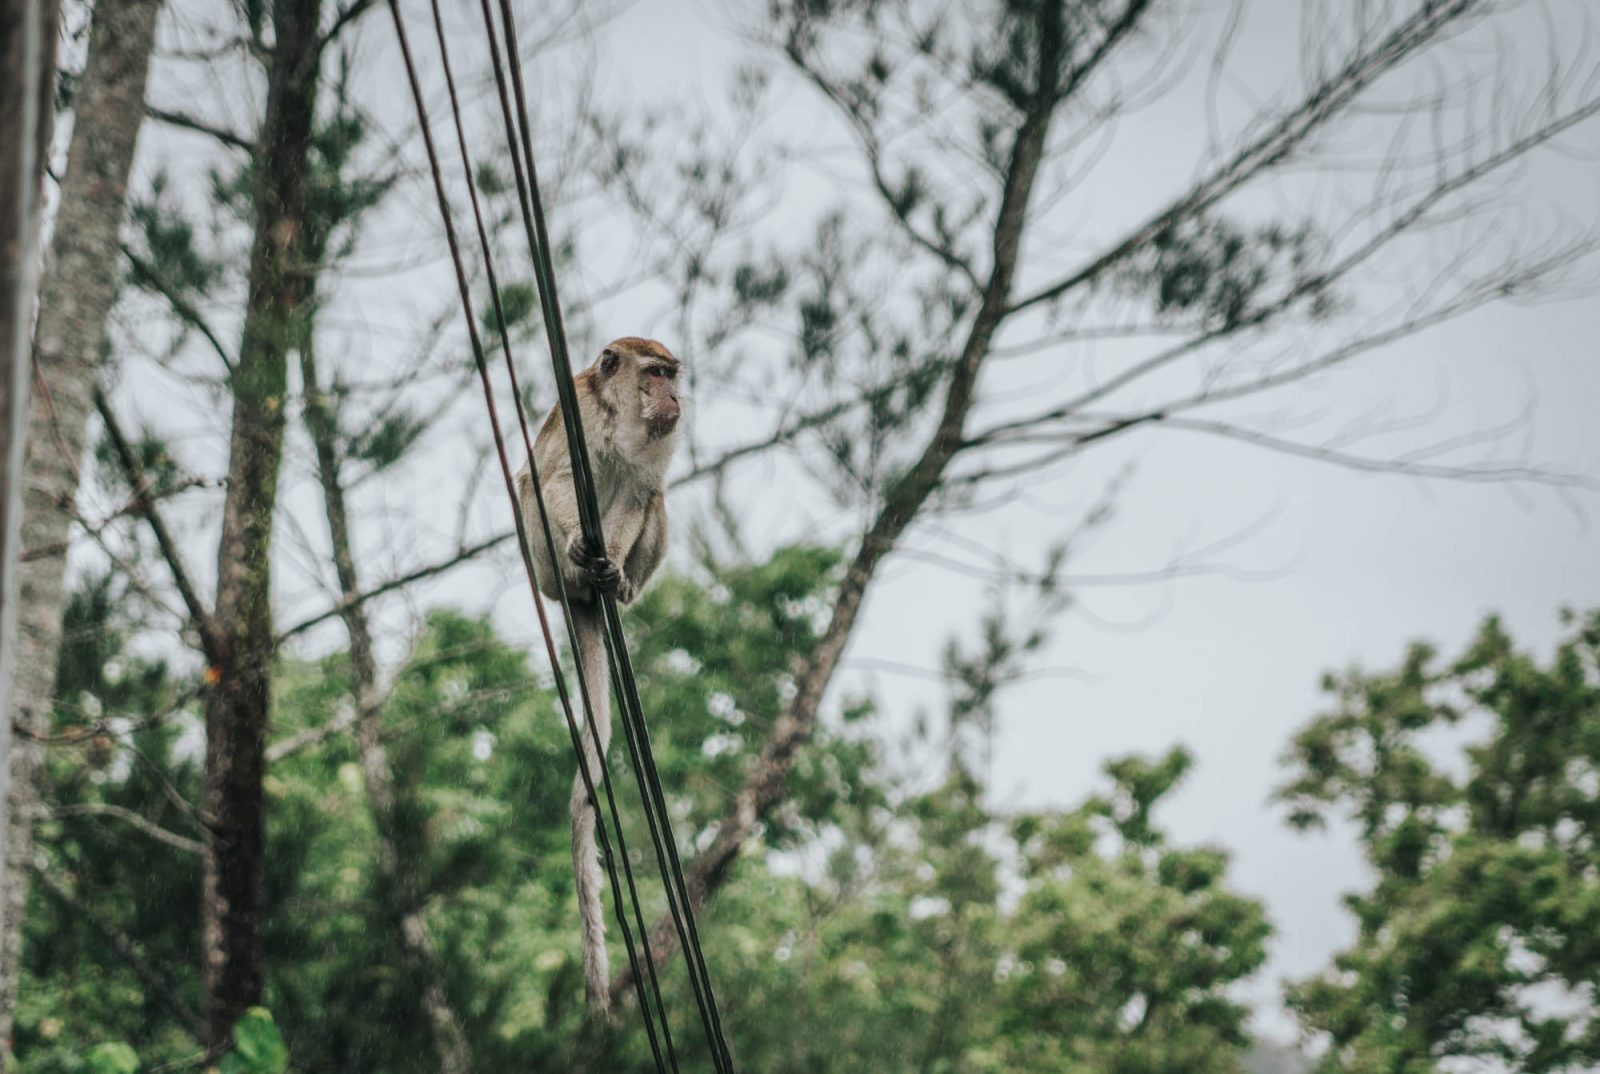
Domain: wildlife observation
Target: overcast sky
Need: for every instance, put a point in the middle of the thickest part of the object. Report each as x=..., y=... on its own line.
x=1353, y=566
x=1331, y=567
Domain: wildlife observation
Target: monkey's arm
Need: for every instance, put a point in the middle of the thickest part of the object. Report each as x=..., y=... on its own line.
x=623, y=524
x=649, y=548
x=621, y=529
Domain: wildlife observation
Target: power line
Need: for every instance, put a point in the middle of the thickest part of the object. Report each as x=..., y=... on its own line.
x=636, y=733
x=522, y=536
x=538, y=490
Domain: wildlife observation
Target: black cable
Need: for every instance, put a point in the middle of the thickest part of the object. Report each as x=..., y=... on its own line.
x=538, y=484
x=628, y=697
x=522, y=536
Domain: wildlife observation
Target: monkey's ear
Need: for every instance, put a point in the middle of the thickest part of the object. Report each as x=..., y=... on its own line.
x=609, y=361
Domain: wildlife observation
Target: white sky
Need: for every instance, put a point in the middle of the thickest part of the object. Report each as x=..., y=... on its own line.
x=1355, y=565
x=1352, y=565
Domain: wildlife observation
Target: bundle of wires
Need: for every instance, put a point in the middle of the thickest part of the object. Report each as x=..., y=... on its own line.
x=646, y=985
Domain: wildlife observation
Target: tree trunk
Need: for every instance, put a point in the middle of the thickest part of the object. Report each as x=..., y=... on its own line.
x=238, y=704
x=402, y=904
x=76, y=295
x=27, y=79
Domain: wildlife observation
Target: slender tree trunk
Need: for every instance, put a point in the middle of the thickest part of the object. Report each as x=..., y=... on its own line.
x=76, y=295
x=402, y=903
x=27, y=79
x=238, y=705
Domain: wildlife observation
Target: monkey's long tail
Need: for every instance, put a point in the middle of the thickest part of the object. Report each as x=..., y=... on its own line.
x=585, y=853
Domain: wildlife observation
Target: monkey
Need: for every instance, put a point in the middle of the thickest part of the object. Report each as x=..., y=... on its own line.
x=629, y=405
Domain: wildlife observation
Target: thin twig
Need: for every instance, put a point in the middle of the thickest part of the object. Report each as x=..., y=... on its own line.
x=140, y=483
x=200, y=126
x=148, y=827
x=185, y=310
x=344, y=604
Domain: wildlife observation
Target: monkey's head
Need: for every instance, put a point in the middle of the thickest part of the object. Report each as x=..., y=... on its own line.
x=638, y=378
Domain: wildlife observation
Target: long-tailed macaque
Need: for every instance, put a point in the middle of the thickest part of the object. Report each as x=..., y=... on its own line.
x=628, y=400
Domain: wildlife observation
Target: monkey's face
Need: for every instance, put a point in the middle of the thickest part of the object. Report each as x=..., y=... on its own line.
x=648, y=372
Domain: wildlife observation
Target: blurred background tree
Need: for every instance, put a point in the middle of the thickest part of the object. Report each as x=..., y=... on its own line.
x=934, y=933
x=899, y=332
x=1475, y=786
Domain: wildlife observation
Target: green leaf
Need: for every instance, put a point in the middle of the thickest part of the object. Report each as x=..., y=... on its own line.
x=387, y=441
x=258, y=1047
x=112, y=1057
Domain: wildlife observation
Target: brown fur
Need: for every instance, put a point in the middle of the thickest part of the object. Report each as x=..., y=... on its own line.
x=629, y=417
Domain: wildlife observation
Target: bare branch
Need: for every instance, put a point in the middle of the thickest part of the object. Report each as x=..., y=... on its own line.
x=455, y=559
x=1317, y=282
x=1091, y=333
x=153, y=830
x=105, y=727
x=872, y=151
x=788, y=432
x=1469, y=472
x=1014, y=678
x=343, y=18
x=132, y=506
x=1506, y=281
x=1326, y=101
x=186, y=311
x=301, y=740
x=1184, y=563
x=200, y=126
x=140, y=484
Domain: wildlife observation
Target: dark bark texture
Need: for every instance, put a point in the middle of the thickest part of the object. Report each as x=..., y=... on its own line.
x=76, y=296
x=238, y=703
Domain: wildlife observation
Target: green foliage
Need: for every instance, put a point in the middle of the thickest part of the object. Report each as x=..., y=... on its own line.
x=519, y=302
x=1475, y=787
x=388, y=439
x=923, y=949
x=491, y=182
x=846, y=334
x=119, y=716
x=258, y=1047
x=1131, y=942
x=112, y=1058
x=163, y=472
x=885, y=921
x=173, y=262
x=338, y=193
x=1222, y=274
x=756, y=286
